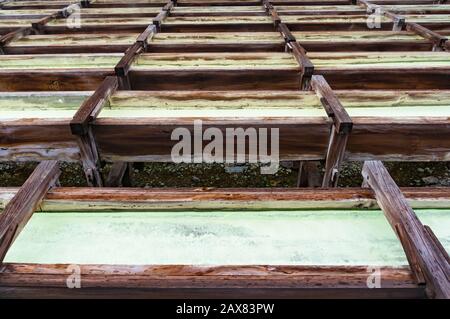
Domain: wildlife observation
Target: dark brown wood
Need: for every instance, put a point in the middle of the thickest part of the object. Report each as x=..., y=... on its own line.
x=157, y=21
x=387, y=78
x=420, y=247
x=339, y=132
x=309, y=174
x=190, y=281
x=332, y=105
x=53, y=79
x=22, y=206
x=412, y=257
x=399, y=21
x=93, y=105
x=438, y=245
x=80, y=127
x=123, y=66
x=334, y=158
x=15, y=35
x=286, y=33
x=238, y=79
x=307, y=67
x=146, y=36
x=437, y=39
x=117, y=174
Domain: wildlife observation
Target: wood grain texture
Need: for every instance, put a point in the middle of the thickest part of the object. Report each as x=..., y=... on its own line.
x=124, y=199
x=93, y=105
x=420, y=247
x=190, y=281
x=22, y=206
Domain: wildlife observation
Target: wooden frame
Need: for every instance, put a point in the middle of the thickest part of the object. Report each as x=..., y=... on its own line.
x=47, y=280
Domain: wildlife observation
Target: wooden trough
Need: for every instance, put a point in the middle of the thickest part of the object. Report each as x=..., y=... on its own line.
x=32, y=266
x=324, y=78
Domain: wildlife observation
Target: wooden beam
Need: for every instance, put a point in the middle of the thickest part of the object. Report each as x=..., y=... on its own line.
x=85, y=137
x=146, y=36
x=62, y=199
x=307, y=67
x=335, y=110
x=157, y=21
x=123, y=66
x=309, y=174
x=419, y=246
x=398, y=21
x=286, y=33
x=437, y=39
x=342, y=126
x=93, y=105
x=15, y=35
x=119, y=174
x=22, y=206
x=181, y=281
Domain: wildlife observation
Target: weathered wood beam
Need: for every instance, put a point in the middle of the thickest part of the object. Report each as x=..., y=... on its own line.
x=437, y=39
x=22, y=206
x=286, y=33
x=307, y=67
x=12, y=36
x=178, y=281
x=123, y=66
x=309, y=174
x=93, y=105
x=119, y=174
x=397, y=20
x=63, y=199
x=424, y=255
x=81, y=128
x=272, y=12
x=146, y=36
x=342, y=126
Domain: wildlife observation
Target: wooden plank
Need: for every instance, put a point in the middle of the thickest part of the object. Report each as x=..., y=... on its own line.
x=172, y=281
x=20, y=209
x=69, y=199
x=420, y=247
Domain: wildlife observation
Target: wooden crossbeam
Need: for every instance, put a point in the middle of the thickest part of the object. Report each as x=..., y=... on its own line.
x=81, y=128
x=437, y=39
x=22, y=206
x=342, y=126
x=426, y=258
x=14, y=35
